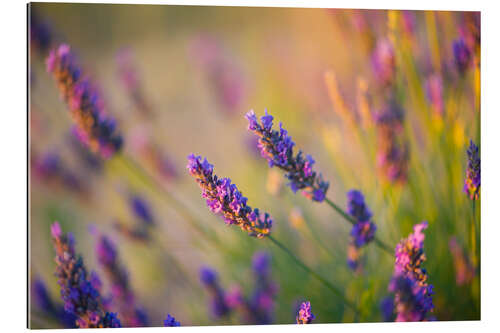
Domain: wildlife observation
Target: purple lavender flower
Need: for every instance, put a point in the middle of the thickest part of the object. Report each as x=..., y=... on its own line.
x=412, y=293
x=171, y=322
x=387, y=308
x=393, y=152
x=93, y=126
x=473, y=175
x=141, y=209
x=223, y=197
x=218, y=304
x=122, y=295
x=277, y=148
x=40, y=33
x=261, y=305
x=79, y=295
x=412, y=300
x=44, y=301
x=462, y=55
x=363, y=231
x=305, y=316
x=384, y=62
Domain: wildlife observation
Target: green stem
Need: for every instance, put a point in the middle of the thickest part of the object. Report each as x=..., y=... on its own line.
x=339, y=210
x=330, y=286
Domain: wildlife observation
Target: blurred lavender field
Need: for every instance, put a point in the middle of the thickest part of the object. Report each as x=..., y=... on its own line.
x=383, y=104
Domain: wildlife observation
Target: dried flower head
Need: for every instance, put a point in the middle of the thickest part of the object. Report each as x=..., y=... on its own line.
x=93, y=126
x=277, y=148
x=223, y=197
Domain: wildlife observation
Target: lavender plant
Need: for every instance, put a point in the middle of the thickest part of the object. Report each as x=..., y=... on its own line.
x=224, y=197
x=78, y=293
x=171, y=322
x=473, y=176
x=95, y=128
x=305, y=316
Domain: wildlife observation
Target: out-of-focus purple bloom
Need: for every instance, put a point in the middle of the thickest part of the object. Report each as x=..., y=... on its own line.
x=462, y=55
x=393, y=152
x=261, y=304
x=170, y=321
x=122, y=296
x=412, y=300
x=387, y=308
x=129, y=77
x=40, y=33
x=79, y=295
x=93, y=126
x=305, y=316
x=218, y=304
x=464, y=270
x=384, y=62
x=141, y=209
x=51, y=169
x=473, y=174
x=223, y=197
x=363, y=231
x=225, y=77
x=434, y=91
x=412, y=293
x=41, y=297
x=277, y=148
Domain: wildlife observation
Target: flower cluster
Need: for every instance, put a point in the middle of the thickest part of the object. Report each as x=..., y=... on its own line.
x=40, y=33
x=218, y=304
x=277, y=148
x=80, y=296
x=44, y=301
x=51, y=169
x=393, y=153
x=305, y=316
x=384, y=62
x=94, y=127
x=462, y=55
x=170, y=321
x=464, y=270
x=127, y=73
x=473, y=174
x=363, y=231
x=225, y=77
x=223, y=197
x=122, y=295
x=412, y=293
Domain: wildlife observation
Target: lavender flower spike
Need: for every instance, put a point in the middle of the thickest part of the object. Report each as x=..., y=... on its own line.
x=218, y=304
x=171, y=322
x=78, y=293
x=224, y=197
x=473, y=177
x=122, y=294
x=277, y=148
x=305, y=316
x=412, y=293
x=363, y=231
x=93, y=126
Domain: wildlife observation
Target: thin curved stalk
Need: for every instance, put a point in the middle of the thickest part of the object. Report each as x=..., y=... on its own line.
x=325, y=282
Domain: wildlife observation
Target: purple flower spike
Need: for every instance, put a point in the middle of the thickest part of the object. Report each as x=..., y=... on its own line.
x=277, y=148
x=224, y=197
x=473, y=176
x=462, y=55
x=218, y=304
x=122, y=295
x=363, y=231
x=93, y=127
x=305, y=316
x=79, y=295
x=412, y=293
x=171, y=322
